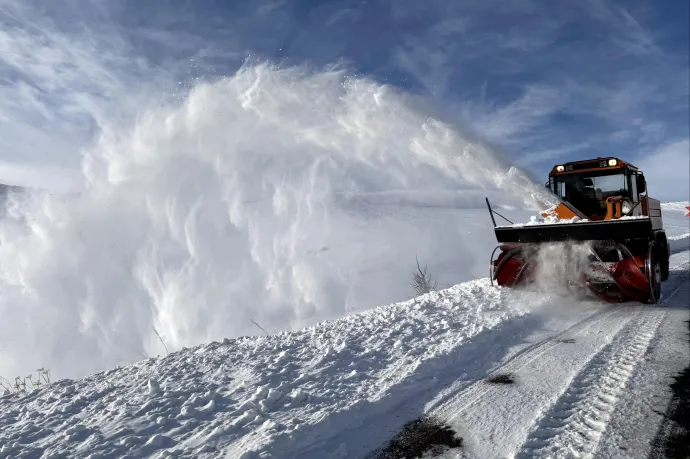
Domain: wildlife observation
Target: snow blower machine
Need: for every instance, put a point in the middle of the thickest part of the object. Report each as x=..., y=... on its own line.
x=603, y=208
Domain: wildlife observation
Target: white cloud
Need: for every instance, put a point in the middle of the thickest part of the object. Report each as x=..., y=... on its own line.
x=626, y=31
x=667, y=170
x=530, y=111
x=541, y=81
x=55, y=86
x=550, y=154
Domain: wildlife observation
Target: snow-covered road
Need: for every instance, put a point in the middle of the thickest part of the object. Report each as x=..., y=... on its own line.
x=564, y=390
x=567, y=386
x=573, y=379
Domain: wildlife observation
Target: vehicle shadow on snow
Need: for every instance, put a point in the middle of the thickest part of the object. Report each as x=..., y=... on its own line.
x=672, y=440
x=677, y=280
x=399, y=419
x=679, y=245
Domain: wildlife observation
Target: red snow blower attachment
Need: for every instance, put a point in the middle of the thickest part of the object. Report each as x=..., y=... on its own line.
x=609, y=230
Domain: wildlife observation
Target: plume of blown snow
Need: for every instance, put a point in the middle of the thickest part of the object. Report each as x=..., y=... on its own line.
x=244, y=203
x=561, y=265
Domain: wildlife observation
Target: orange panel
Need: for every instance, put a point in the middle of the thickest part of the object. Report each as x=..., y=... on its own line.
x=561, y=212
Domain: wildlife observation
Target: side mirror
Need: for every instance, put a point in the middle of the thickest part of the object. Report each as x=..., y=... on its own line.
x=641, y=183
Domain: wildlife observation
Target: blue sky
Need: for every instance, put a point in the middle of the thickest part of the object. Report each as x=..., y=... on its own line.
x=542, y=81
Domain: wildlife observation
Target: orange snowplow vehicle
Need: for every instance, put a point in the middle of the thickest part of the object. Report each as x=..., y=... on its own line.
x=603, y=205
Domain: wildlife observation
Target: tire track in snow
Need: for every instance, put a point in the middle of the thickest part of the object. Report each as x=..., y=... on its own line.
x=576, y=423
x=496, y=419
x=451, y=402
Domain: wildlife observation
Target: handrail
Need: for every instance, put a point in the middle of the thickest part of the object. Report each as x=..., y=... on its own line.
x=492, y=212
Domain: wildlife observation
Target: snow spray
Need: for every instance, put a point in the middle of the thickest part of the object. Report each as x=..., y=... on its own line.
x=234, y=207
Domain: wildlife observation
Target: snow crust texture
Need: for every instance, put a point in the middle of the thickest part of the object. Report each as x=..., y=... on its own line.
x=576, y=422
x=272, y=394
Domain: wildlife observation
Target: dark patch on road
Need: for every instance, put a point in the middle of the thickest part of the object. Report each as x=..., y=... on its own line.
x=673, y=438
x=678, y=444
x=502, y=378
x=419, y=437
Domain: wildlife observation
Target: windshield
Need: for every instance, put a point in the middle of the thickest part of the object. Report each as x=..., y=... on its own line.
x=588, y=193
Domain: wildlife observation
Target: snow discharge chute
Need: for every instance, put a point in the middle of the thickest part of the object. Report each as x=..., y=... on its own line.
x=606, y=233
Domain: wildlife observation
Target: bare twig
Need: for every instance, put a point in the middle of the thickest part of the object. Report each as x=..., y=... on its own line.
x=5, y=384
x=262, y=328
x=162, y=342
x=421, y=280
x=23, y=385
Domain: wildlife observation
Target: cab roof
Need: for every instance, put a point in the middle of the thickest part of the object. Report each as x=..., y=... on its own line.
x=605, y=164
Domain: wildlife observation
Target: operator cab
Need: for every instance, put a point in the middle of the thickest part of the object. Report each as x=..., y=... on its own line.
x=587, y=184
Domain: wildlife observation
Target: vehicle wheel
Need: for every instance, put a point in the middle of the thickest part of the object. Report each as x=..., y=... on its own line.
x=662, y=255
x=653, y=269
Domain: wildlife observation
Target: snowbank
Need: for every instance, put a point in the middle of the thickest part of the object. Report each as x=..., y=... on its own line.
x=263, y=394
x=675, y=206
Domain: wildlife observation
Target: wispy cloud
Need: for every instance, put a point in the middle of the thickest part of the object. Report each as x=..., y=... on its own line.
x=57, y=81
x=626, y=31
x=666, y=169
x=547, y=82
x=543, y=81
x=52, y=85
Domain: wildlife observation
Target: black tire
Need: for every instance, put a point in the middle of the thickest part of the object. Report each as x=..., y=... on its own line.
x=662, y=255
x=653, y=268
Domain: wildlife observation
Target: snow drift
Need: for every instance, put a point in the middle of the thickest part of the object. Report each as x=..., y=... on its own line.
x=279, y=196
x=282, y=394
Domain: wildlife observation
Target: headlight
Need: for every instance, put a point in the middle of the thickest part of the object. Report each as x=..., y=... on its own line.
x=627, y=207
x=560, y=168
x=612, y=162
